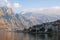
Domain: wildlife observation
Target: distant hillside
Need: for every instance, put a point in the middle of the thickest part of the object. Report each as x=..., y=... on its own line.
x=45, y=27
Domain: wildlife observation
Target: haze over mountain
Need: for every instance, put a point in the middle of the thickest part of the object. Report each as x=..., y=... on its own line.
x=47, y=14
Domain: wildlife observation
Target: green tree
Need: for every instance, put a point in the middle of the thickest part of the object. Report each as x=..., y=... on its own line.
x=42, y=29
x=33, y=30
x=50, y=30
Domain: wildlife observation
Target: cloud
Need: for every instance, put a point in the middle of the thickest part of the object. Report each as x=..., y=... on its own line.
x=16, y=5
x=48, y=11
x=13, y=5
x=9, y=5
x=57, y=7
x=5, y=1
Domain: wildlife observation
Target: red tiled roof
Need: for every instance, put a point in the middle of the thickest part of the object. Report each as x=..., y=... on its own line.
x=56, y=24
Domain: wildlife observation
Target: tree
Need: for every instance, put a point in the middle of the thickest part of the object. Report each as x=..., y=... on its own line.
x=49, y=30
x=25, y=30
x=42, y=29
x=33, y=30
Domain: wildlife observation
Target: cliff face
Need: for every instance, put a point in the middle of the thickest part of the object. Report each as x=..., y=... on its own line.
x=8, y=19
x=11, y=21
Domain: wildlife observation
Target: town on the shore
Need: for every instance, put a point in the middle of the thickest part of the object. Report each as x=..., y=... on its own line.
x=49, y=27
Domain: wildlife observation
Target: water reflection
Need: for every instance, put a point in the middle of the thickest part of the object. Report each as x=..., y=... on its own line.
x=6, y=36
x=26, y=36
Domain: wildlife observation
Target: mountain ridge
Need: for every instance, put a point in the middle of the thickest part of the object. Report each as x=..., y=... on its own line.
x=20, y=21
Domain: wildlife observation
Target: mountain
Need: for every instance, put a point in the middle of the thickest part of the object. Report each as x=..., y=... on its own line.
x=8, y=21
x=49, y=27
x=11, y=21
x=38, y=18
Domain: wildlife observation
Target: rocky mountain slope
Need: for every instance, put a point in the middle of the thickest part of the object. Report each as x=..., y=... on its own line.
x=11, y=21
x=8, y=19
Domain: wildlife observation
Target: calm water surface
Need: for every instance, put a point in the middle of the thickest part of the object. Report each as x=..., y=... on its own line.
x=26, y=36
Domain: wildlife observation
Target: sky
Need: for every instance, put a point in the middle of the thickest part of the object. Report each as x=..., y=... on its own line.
x=34, y=5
